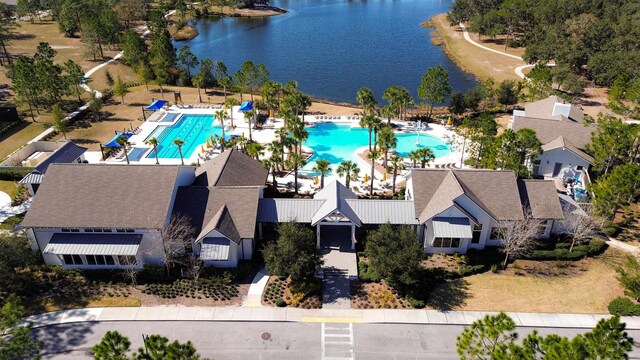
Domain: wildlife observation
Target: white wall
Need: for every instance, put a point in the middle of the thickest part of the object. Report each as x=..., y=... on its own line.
x=568, y=159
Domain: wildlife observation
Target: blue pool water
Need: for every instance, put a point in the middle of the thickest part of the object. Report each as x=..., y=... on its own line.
x=194, y=130
x=137, y=153
x=338, y=143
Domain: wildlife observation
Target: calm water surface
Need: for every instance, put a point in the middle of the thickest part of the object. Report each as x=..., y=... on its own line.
x=333, y=47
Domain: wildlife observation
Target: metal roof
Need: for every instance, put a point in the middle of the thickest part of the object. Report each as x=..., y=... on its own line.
x=283, y=210
x=93, y=244
x=452, y=227
x=215, y=249
x=66, y=154
x=384, y=211
x=32, y=178
x=335, y=195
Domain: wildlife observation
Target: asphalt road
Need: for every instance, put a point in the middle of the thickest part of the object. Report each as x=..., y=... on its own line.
x=271, y=340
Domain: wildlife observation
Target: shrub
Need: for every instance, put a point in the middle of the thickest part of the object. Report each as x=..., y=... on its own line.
x=14, y=174
x=366, y=273
x=611, y=229
x=495, y=268
x=466, y=270
x=622, y=306
x=280, y=302
x=415, y=303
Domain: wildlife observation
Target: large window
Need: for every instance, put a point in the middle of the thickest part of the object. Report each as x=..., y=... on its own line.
x=497, y=233
x=100, y=260
x=477, y=231
x=446, y=242
x=72, y=259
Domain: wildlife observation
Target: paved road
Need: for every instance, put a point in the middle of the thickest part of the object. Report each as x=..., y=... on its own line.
x=244, y=340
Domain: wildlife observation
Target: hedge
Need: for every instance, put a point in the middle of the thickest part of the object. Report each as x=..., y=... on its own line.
x=561, y=252
x=466, y=270
x=366, y=273
x=622, y=306
x=13, y=174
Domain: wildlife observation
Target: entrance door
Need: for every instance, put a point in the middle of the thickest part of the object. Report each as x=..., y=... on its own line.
x=556, y=169
x=335, y=237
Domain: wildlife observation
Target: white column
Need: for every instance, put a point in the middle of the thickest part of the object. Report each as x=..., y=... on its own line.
x=318, y=235
x=353, y=237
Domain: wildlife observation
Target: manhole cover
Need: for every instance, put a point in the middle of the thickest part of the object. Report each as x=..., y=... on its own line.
x=266, y=336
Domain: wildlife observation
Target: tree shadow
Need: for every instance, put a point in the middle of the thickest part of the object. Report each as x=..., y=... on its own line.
x=449, y=296
x=63, y=339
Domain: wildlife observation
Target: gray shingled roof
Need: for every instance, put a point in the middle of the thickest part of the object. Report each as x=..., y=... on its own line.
x=578, y=134
x=541, y=197
x=108, y=196
x=93, y=244
x=66, y=154
x=550, y=108
x=230, y=210
x=561, y=143
x=335, y=195
x=495, y=191
x=231, y=168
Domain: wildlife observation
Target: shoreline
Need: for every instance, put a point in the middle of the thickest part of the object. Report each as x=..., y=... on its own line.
x=438, y=32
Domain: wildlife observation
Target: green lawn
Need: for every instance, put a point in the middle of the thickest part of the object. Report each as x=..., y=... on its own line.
x=8, y=187
x=19, y=137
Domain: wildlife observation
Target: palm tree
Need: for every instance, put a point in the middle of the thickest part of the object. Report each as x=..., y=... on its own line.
x=154, y=142
x=255, y=149
x=299, y=133
x=373, y=155
x=366, y=99
x=425, y=155
x=367, y=122
x=388, y=111
x=387, y=141
x=221, y=115
x=275, y=147
x=323, y=167
x=399, y=98
x=248, y=117
x=296, y=161
x=124, y=142
x=396, y=164
x=230, y=103
x=376, y=124
x=272, y=164
x=414, y=156
x=179, y=143
x=198, y=82
x=349, y=169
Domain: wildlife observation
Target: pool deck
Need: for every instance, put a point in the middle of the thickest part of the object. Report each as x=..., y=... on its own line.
x=268, y=134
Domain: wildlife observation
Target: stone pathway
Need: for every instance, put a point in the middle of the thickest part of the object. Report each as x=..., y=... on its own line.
x=339, y=268
x=9, y=211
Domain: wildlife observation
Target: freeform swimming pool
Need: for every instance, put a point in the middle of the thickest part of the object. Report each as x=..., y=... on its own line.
x=194, y=130
x=337, y=143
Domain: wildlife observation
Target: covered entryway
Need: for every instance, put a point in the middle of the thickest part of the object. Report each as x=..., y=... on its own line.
x=337, y=237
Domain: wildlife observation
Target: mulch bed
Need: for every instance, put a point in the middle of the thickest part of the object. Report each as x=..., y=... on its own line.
x=280, y=289
x=376, y=296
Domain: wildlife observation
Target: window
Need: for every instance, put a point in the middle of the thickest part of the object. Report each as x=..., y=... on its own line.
x=91, y=259
x=97, y=230
x=65, y=230
x=100, y=260
x=88, y=230
x=72, y=259
x=446, y=242
x=579, y=168
x=110, y=260
x=497, y=233
x=75, y=230
x=119, y=230
x=477, y=231
x=106, y=230
x=129, y=230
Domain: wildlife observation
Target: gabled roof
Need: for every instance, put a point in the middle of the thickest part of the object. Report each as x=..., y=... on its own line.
x=284, y=210
x=561, y=143
x=231, y=211
x=541, y=197
x=335, y=197
x=231, y=168
x=371, y=211
x=100, y=195
x=578, y=134
x=495, y=191
x=553, y=108
x=66, y=154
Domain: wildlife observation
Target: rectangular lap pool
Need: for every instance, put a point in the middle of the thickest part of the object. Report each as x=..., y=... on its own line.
x=194, y=130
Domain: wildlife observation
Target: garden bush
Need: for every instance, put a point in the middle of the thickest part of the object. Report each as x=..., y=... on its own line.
x=13, y=174
x=466, y=270
x=611, y=229
x=415, y=303
x=622, y=306
x=594, y=247
x=280, y=302
x=366, y=273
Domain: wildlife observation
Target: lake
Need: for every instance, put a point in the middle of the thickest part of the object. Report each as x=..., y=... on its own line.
x=333, y=47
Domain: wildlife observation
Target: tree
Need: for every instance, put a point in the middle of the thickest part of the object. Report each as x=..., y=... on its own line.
x=157, y=347
x=517, y=237
x=222, y=77
x=120, y=89
x=349, y=170
x=145, y=75
x=394, y=253
x=293, y=253
x=25, y=83
x=177, y=235
x=272, y=163
x=248, y=117
x=95, y=106
x=230, y=103
x=187, y=60
x=162, y=58
x=372, y=155
x=295, y=162
x=538, y=82
x=472, y=98
x=414, y=156
x=109, y=78
x=179, y=143
x=487, y=338
x=617, y=189
x=366, y=99
x=323, y=167
x=198, y=82
x=396, y=164
x=15, y=258
x=435, y=87
x=612, y=143
x=425, y=156
x=398, y=98
x=134, y=49
x=629, y=277
x=255, y=150
x=75, y=75
x=123, y=141
x=581, y=227
x=369, y=121
x=386, y=141
x=59, y=124
x=15, y=342
x=206, y=72
x=456, y=103
x=154, y=142
x=113, y=346
x=508, y=93
x=221, y=115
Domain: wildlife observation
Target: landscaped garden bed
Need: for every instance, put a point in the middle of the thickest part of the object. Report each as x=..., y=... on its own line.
x=376, y=295
x=283, y=292
x=200, y=289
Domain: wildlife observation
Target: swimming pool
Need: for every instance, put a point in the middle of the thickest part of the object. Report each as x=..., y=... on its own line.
x=337, y=143
x=194, y=130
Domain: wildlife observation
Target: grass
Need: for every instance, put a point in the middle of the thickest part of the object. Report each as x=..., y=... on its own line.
x=72, y=303
x=22, y=134
x=11, y=222
x=589, y=292
x=8, y=187
x=482, y=63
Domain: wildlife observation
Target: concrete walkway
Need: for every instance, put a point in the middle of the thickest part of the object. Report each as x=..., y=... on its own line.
x=339, y=268
x=175, y=313
x=254, y=296
x=620, y=245
x=8, y=211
